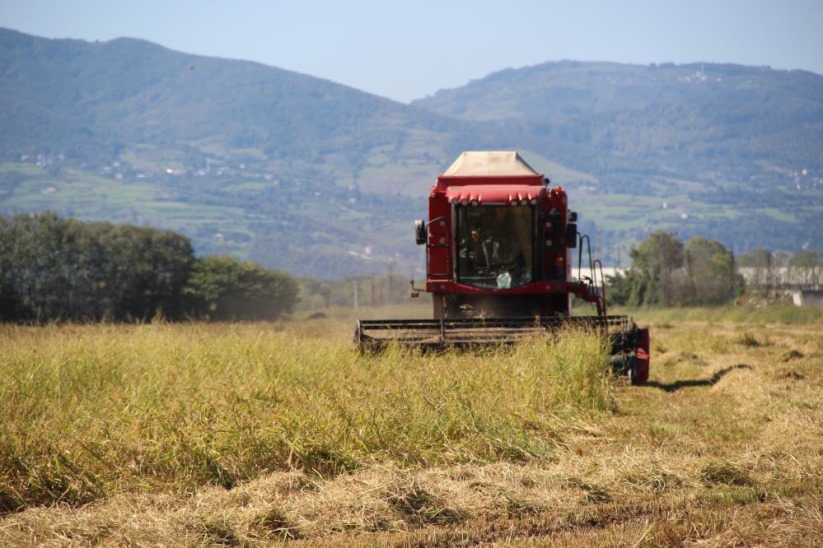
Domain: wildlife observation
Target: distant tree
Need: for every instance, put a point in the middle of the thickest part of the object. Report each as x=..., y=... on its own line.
x=38, y=254
x=655, y=260
x=756, y=258
x=806, y=268
x=63, y=269
x=761, y=264
x=224, y=289
x=711, y=276
x=152, y=267
x=806, y=259
x=665, y=272
x=626, y=288
x=770, y=270
x=11, y=301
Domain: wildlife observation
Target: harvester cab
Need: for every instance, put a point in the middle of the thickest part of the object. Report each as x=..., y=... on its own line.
x=500, y=244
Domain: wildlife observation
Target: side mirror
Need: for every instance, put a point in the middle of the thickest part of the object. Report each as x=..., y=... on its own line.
x=572, y=216
x=571, y=235
x=420, y=232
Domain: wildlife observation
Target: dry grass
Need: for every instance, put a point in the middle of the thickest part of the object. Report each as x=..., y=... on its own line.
x=256, y=434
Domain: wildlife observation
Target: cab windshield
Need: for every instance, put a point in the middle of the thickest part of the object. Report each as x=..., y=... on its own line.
x=495, y=245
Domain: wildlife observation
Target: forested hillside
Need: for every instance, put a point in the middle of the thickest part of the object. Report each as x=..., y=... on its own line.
x=724, y=151
x=108, y=98
x=690, y=120
x=303, y=174
x=286, y=169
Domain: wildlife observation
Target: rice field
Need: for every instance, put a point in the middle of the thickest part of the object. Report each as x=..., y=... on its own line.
x=255, y=433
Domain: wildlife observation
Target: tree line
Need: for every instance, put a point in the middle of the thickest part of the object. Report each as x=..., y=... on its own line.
x=57, y=269
x=699, y=272
x=668, y=272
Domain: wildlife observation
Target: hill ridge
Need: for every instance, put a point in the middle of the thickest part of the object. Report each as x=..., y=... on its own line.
x=242, y=156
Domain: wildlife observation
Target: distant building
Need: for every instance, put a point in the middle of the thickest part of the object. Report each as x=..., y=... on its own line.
x=783, y=277
x=807, y=298
x=608, y=272
x=803, y=284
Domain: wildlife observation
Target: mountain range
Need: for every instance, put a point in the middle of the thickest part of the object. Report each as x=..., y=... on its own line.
x=323, y=180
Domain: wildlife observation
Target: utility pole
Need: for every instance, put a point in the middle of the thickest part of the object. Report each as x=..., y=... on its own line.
x=390, y=284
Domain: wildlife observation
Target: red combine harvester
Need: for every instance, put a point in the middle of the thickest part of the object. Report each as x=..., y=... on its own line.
x=499, y=266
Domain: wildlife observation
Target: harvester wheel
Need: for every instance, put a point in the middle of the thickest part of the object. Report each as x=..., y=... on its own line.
x=639, y=372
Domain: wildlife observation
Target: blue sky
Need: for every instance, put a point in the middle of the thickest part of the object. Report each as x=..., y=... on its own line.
x=409, y=49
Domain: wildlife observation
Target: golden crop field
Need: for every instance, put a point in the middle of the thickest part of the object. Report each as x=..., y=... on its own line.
x=255, y=433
